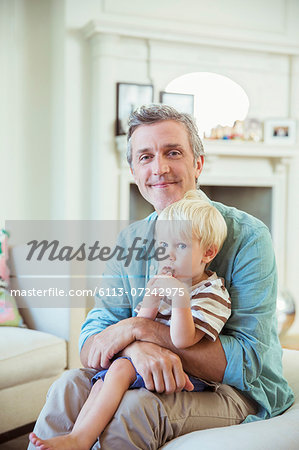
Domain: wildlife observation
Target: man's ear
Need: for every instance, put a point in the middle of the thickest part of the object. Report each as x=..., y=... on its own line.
x=199, y=166
x=210, y=254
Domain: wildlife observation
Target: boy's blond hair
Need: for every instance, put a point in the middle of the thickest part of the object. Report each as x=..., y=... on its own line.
x=208, y=225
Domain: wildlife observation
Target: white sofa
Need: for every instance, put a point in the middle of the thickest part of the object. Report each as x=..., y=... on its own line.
x=278, y=433
x=32, y=358
x=30, y=361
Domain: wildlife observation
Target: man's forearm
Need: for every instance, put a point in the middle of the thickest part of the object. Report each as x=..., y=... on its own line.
x=86, y=350
x=99, y=349
x=205, y=359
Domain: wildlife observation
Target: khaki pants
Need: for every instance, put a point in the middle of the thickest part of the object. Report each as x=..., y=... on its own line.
x=144, y=420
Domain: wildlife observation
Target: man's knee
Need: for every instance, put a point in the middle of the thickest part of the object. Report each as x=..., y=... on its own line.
x=141, y=404
x=65, y=399
x=139, y=422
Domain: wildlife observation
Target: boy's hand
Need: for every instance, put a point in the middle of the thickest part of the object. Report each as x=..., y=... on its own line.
x=165, y=280
x=164, y=284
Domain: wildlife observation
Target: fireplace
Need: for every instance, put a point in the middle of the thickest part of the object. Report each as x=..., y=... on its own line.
x=255, y=200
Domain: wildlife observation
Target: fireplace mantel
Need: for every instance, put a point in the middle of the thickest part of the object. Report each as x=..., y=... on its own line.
x=249, y=149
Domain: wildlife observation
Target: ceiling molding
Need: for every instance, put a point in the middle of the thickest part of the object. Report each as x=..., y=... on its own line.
x=165, y=31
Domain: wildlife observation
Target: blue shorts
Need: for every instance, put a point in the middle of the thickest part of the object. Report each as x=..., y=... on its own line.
x=198, y=384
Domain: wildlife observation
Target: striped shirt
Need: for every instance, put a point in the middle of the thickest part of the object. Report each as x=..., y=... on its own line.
x=210, y=306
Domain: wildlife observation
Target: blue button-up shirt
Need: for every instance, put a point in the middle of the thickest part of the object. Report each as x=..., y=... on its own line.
x=249, y=338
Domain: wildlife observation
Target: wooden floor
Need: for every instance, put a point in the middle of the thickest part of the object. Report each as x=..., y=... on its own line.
x=16, y=439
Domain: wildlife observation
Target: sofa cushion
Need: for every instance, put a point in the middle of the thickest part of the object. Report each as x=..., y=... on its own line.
x=27, y=355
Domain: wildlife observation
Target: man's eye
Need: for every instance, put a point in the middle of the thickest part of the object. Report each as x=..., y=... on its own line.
x=174, y=153
x=144, y=158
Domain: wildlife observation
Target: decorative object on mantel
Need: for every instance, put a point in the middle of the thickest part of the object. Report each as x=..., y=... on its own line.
x=280, y=131
x=223, y=132
x=130, y=96
x=247, y=130
x=253, y=130
x=181, y=102
x=276, y=131
x=285, y=311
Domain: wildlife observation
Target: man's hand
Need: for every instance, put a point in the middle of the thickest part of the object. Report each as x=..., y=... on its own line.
x=100, y=348
x=206, y=359
x=160, y=368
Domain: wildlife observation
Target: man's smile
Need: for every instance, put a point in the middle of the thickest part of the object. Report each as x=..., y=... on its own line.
x=162, y=184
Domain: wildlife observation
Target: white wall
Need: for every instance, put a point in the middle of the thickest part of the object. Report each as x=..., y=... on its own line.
x=25, y=109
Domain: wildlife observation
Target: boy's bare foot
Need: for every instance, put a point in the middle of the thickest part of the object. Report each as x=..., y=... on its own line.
x=66, y=442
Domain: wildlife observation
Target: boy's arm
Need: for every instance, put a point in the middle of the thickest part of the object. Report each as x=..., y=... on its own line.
x=183, y=332
x=148, y=313
x=149, y=306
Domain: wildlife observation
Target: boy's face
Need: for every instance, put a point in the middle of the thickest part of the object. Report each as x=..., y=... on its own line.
x=186, y=257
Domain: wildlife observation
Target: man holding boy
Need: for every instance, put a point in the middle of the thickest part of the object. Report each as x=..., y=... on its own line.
x=166, y=158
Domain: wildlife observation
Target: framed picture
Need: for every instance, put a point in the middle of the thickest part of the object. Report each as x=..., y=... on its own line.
x=253, y=129
x=129, y=97
x=182, y=102
x=280, y=131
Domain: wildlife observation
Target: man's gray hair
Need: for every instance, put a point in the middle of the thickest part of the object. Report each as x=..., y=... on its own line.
x=150, y=114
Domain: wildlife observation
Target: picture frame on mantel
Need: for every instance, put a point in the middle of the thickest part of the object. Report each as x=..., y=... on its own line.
x=280, y=131
x=182, y=102
x=130, y=96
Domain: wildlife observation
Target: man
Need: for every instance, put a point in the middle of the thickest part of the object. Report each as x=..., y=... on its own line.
x=244, y=365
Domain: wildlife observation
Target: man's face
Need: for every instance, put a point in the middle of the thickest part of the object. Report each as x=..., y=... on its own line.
x=163, y=163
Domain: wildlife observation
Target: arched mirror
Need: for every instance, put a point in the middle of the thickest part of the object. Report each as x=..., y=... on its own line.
x=218, y=100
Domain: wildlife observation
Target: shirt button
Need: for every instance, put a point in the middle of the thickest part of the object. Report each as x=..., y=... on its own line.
x=152, y=268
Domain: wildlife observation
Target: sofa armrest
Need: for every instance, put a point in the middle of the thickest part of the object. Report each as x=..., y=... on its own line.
x=64, y=322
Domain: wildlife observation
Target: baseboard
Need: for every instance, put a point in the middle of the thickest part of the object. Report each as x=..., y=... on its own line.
x=13, y=434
